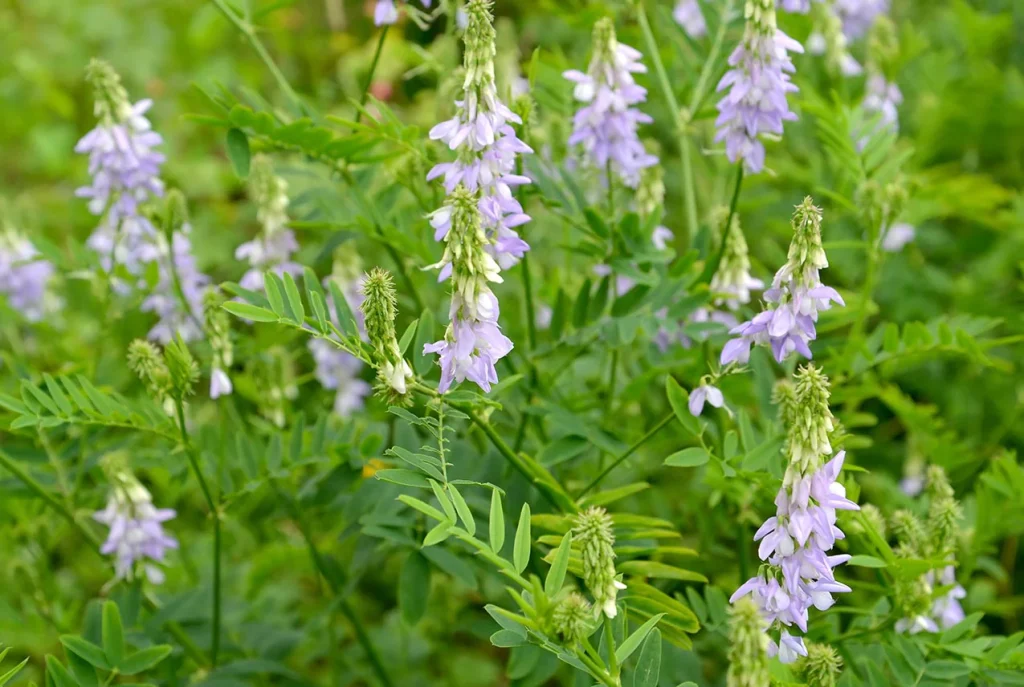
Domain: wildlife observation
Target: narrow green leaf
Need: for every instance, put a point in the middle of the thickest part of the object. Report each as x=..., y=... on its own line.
x=438, y=534
x=40, y=396
x=688, y=458
x=407, y=337
x=556, y=574
x=113, y=634
x=496, y=524
x=422, y=507
x=679, y=400
x=145, y=659
x=413, y=588
x=238, y=151
x=521, y=546
x=405, y=478
x=312, y=284
x=291, y=291
x=648, y=666
x=9, y=675
x=78, y=397
x=446, y=503
x=86, y=649
x=465, y=514
x=424, y=335
x=274, y=289
x=632, y=642
x=864, y=561
x=346, y=320
x=57, y=394
x=250, y=312
x=506, y=639
x=60, y=676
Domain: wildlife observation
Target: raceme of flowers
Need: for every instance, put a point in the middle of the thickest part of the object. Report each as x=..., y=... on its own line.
x=795, y=543
x=795, y=299
x=273, y=248
x=24, y=275
x=606, y=125
x=858, y=15
x=125, y=170
x=473, y=342
x=136, y=537
x=757, y=84
x=178, y=296
x=487, y=146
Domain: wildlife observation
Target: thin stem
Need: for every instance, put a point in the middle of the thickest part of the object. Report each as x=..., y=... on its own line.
x=346, y=608
x=62, y=478
x=531, y=317
x=247, y=29
x=712, y=266
x=689, y=196
x=190, y=648
x=609, y=638
x=215, y=514
x=626, y=454
x=373, y=70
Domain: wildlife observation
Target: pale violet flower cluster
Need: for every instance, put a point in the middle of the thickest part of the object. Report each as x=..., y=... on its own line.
x=273, y=248
x=136, y=537
x=882, y=98
x=794, y=300
x=125, y=169
x=385, y=12
x=180, y=313
x=796, y=6
x=606, y=125
x=858, y=15
x=796, y=541
x=336, y=369
x=688, y=15
x=945, y=611
x=757, y=84
x=487, y=146
x=24, y=275
x=473, y=342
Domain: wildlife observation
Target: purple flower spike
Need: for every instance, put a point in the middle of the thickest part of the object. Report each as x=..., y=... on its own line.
x=136, y=534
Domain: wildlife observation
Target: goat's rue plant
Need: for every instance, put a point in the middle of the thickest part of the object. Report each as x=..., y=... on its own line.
x=747, y=413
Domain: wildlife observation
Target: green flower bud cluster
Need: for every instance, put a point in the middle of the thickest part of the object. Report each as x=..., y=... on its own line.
x=170, y=374
x=380, y=309
x=270, y=194
x=112, y=104
x=748, y=652
x=811, y=421
x=596, y=538
x=806, y=254
x=217, y=327
x=821, y=667
x=650, y=193
x=573, y=618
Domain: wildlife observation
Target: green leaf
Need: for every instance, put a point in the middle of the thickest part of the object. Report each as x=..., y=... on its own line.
x=679, y=400
x=660, y=570
x=648, y=666
x=9, y=675
x=274, y=289
x=446, y=504
x=291, y=290
x=507, y=639
x=250, y=312
x=424, y=335
x=60, y=676
x=496, y=524
x=946, y=670
x=462, y=508
x=556, y=574
x=633, y=642
x=407, y=337
x=85, y=649
x=579, y=311
x=57, y=394
x=438, y=534
x=413, y=588
x=145, y=659
x=238, y=151
x=961, y=628
x=113, y=634
x=346, y=320
x=521, y=546
x=864, y=561
x=405, y=478
x=422, y=507
x=688, y=458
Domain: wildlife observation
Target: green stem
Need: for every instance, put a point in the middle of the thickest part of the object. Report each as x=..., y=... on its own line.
x=626, y=454
x=689, y=195
x=373, y=70
x=336, y=588
x=531, y=317
x=190, y=648
x=215, y=514
x=250, y=34
x=857, y=332
x=609, y=638
x=712, y=266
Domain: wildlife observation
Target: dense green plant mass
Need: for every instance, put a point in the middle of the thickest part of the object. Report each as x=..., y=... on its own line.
x=479, y=342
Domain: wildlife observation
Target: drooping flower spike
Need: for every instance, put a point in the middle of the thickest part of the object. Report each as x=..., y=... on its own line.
x=757, y=84
x=606, y=124
x=796, y=297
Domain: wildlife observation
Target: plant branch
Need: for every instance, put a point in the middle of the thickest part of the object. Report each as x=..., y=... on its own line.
x=626, y=454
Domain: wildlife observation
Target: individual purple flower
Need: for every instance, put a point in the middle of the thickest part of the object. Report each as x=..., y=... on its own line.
x=125, y=169
x=178, y=296
x=947, y=610
x=757, y=83
x=897, y=236
x=688, y=15
x=24, y=275
x=136, y=536
x=482, y=134
x=796, y=297
x=705, y=392
x=662, y=237
x=606, y=125
x=385, y=12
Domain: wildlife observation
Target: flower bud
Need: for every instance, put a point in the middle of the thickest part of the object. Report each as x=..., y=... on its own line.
x=573, y=618
x=594, y=533
x=112, y=102
x=811, y=420
x=184, y=370
x=146, y=361
x=748, y=639
x=379, y=311
x=821, y=667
